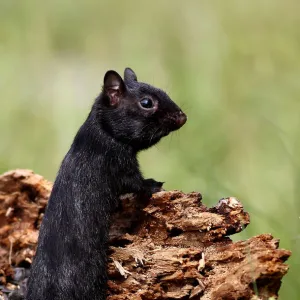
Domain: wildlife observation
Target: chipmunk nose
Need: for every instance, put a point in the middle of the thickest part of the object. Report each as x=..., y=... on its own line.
x=181, y=119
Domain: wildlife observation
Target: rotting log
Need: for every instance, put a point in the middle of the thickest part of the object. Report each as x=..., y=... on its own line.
x=170, y=247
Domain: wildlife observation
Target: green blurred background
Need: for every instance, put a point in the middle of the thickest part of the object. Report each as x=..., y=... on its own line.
x=233, y=66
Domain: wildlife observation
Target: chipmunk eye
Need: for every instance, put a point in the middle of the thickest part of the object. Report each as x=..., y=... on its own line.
x=146, y=103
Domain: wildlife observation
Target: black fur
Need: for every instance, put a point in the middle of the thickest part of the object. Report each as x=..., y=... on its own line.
x=101, y=164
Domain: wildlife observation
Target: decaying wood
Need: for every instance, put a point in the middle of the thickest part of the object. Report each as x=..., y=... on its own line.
x=172, y=247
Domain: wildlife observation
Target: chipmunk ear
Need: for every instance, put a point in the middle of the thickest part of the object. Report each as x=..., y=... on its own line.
x=129, y=75
x=114, y=87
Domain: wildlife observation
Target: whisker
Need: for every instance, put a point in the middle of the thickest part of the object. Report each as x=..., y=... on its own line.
x=141, y=131
x=153, y=135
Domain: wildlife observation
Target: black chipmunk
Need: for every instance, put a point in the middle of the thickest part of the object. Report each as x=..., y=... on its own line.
x=128, y=116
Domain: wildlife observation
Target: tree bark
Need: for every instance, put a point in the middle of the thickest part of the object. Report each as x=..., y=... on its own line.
x=170, y=247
